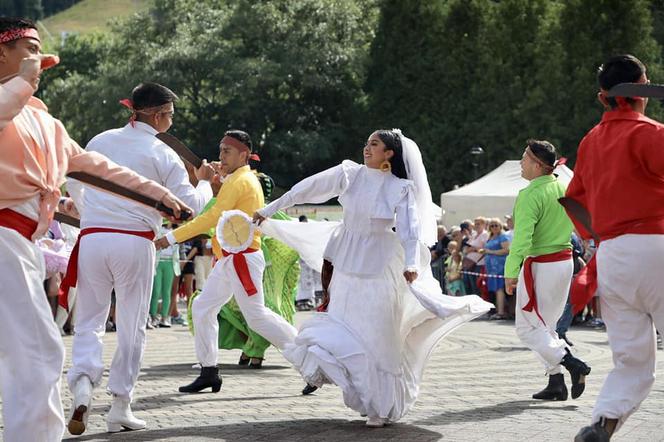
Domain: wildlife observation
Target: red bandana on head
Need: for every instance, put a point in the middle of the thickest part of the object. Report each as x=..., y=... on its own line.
x=18, y=33
x=239, y=145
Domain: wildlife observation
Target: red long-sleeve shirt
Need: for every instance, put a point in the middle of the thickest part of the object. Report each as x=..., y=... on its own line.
x=619, y=175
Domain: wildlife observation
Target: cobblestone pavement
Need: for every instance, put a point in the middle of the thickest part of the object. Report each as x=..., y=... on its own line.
x=477, y=387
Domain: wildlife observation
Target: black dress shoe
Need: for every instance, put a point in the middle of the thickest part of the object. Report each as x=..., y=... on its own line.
x=308, y=389
x=555, y=390
x=578, y=370
x=256, y=363
x=598, y=432
x=209, y=377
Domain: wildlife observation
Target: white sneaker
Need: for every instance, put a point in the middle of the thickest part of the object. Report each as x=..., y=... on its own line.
x=121, y=418
x=165, y=323
x=376, y=422
x=81, y=405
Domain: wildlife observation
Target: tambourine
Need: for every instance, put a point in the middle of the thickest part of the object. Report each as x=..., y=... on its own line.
x=235, y=231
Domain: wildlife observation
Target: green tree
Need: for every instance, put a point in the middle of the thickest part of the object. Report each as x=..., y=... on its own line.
x=290, y=73
x=590, y=32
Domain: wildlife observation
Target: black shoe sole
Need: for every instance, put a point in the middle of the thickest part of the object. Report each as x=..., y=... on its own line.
x=215, y=389
x=187, y=389
x=551, y=398
x=579, y=386
x=308, y=390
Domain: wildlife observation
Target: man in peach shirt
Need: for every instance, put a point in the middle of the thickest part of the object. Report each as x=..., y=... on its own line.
x=36, y=154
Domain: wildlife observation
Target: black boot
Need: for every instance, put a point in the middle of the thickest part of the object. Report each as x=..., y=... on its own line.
x=598, y=432
x=244, y=360
x=578, y=370
x=209, y=377
x=308, y=389
x=555, y=390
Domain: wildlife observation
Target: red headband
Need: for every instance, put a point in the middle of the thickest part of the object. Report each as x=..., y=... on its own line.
x=129, y=104
x=18, y=33
x=239, y=145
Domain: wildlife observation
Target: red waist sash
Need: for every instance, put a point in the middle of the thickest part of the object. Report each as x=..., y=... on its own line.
x=584, y=285
x=71, y=277
x=242, y=270
x=563, y=255
x=20, y=223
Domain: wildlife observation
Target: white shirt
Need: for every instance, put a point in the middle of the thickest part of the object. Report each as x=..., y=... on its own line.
x=138, y=149
x=364, y=242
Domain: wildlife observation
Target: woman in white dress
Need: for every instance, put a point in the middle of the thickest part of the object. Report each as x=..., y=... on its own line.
x=386, y=311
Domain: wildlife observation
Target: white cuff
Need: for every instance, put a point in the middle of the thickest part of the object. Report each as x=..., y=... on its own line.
x=269, y=210
x=411, y=254
x=171, y=238
x=205, y=190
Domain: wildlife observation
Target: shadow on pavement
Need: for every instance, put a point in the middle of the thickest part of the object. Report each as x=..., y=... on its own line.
x=294, y=430
x=492, y=412
x=161, y=400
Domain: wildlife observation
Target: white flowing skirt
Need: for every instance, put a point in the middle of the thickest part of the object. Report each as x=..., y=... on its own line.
x=377, y=335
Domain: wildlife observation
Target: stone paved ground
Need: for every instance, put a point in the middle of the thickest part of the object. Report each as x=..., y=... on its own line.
x=477, y=387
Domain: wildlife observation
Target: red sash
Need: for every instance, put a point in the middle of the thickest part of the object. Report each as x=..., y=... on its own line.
x=71, y=277
x=563, y=255
x=15, y=221
x=584, y=285
x=242, y=270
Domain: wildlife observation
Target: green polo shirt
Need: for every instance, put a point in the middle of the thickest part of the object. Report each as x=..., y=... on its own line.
x=541, y=225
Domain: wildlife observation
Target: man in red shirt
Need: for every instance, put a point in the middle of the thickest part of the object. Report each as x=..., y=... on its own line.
x=619, y=178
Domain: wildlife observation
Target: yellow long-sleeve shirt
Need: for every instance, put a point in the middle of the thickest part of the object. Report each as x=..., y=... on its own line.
x=241, y=191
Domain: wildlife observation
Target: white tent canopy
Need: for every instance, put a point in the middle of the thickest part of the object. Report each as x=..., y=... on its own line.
x=492, y=195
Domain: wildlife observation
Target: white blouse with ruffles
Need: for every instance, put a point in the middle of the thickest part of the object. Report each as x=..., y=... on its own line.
x=374, y=202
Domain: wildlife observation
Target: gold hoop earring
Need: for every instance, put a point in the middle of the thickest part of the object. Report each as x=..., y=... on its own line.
x=386, y=166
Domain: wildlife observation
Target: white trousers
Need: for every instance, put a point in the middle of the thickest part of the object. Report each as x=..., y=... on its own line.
x=631, y=288
x=202, y=269
x=31, y=349
x=125, y=263
x=552, y=282
x=222, y=284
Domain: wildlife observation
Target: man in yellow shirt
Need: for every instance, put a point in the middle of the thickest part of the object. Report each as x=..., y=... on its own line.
x=241, y=191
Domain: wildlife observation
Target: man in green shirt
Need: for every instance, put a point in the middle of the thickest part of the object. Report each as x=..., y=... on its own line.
x=542, y=244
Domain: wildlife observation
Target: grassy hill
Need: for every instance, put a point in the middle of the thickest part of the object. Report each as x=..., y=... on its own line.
x=91, y=15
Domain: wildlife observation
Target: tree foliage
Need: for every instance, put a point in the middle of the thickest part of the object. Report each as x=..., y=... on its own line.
x=310, y=79
x=289, y=73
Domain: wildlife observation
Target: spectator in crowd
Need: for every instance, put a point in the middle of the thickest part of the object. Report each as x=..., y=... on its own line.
x=473, y=261
x=168, y=266
x=453, y=279
x=496, y=249
x=509, y=230
x=565, y=320
x=185, y=282
x=439, y=255
x=202, y=261
x=305, y=299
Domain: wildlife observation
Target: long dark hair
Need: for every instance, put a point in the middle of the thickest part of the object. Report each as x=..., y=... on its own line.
x=393, y=142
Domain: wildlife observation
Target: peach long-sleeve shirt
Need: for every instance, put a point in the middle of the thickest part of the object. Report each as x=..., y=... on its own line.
x=36, y=153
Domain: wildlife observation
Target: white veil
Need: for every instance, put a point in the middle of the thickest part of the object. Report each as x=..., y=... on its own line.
x=412, y=158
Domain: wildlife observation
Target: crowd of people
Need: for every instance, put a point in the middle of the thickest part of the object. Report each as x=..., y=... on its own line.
x=383, y=312
x=469, y=258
